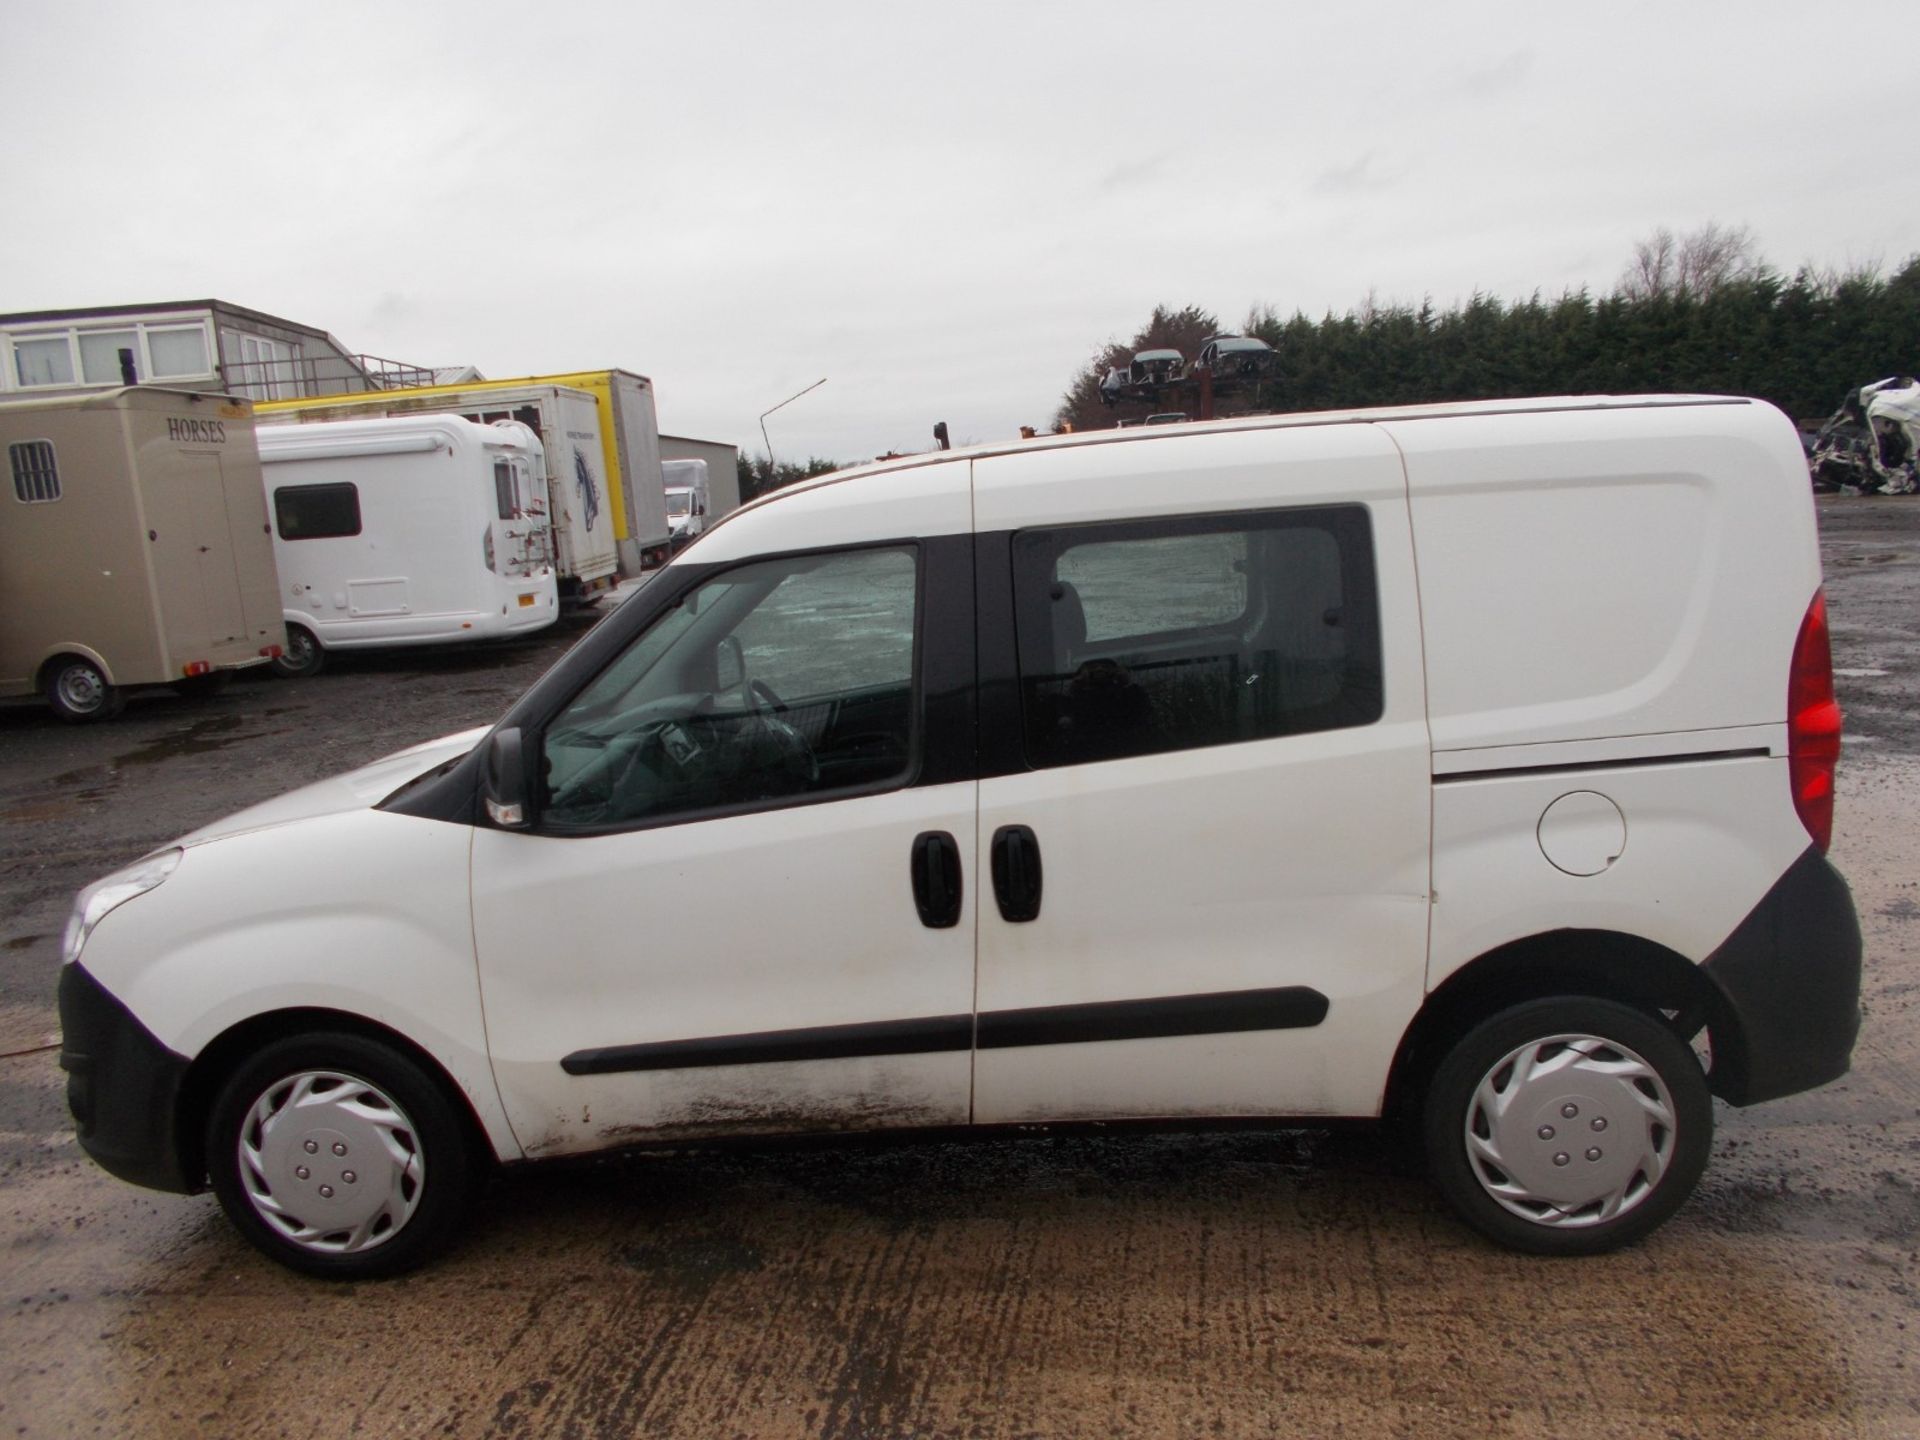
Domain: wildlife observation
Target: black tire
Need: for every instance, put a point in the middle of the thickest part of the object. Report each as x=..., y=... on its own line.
x=202, y=687
x=78, y=691
x=1557, y=1160
x=420, y=1171
x=302, y=657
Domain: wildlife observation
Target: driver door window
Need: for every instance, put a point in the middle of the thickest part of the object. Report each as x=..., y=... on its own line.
x=775, y=683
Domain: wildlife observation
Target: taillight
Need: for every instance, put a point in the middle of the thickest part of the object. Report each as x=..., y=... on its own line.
x=1813, y=724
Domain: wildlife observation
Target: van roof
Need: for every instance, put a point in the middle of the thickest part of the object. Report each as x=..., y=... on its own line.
x=1133, y=435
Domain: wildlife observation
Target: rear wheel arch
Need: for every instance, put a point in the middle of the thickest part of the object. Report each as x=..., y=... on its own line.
x=1597, y=964
x=210, y=1069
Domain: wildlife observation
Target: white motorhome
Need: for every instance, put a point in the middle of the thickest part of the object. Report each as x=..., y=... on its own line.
x=689, y=498
x=413, y=530
x=1470, y=764
x=133, y=547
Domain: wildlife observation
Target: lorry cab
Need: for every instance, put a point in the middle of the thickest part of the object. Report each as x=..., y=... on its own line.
x=407, y=530
x=1457, y=766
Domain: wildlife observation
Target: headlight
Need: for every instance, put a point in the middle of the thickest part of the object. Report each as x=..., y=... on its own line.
x=99, y=899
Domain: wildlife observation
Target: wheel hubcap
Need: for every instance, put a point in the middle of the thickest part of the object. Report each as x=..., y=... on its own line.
x=81, y=689
x=331, y=1162
x=1572, y=1130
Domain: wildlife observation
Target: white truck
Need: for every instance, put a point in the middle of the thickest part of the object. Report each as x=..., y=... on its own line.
x=406, y=530
x=602, y=451
x=689, y=498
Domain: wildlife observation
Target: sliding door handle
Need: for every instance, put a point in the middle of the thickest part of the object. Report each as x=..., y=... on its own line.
x=936, y=879
x=1015, y=861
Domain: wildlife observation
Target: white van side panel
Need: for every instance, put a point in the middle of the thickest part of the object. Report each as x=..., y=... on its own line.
x=1699, y=845
x=1604, y=573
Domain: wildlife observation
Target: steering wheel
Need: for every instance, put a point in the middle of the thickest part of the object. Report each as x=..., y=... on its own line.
x=762, y=695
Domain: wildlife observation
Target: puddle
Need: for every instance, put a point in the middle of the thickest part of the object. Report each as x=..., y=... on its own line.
x=203, y=737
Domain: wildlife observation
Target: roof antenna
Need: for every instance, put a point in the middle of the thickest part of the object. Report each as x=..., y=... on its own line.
x=940, y=435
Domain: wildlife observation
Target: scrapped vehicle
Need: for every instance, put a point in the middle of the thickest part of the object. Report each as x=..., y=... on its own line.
x=1131, y=776
x=1871, y=442
x=1242, y=357
x=1157, y=367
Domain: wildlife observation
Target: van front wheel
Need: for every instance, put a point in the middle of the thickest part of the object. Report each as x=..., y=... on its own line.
x=302, y=657
x=339, y=1156
x=80, y=693
x=1568, y=1126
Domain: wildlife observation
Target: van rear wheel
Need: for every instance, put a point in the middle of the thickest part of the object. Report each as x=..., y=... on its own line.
x=1568, y=1126
x=80, y=693
x=302, y=657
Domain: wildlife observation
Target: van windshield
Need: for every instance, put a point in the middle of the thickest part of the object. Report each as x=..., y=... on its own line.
x=679, y=502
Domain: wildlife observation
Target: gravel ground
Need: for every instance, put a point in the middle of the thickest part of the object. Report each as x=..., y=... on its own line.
x=1223, y=1284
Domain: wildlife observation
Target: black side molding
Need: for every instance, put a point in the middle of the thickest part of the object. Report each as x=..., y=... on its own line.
x=1292, y=1007
x=1637, y=762
x=123, y=1087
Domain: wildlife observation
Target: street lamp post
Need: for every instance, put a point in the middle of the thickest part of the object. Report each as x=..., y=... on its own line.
x=763, y=420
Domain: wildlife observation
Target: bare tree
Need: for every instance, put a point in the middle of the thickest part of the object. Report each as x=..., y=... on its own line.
x=1691, y=265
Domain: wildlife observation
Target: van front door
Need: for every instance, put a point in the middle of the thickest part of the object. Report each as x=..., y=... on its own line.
x=1204, y=810
x=741, y=909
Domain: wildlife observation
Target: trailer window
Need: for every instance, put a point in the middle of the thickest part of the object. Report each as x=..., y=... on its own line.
x=34, y=477
x=317, y=512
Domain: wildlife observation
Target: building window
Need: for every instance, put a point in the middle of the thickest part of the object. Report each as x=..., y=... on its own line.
x=268, y=369
x=317, y=512
x=178, y=353
x=91, y=356
x=1142, y=637
x=100, y=355
x=43, y=362
x=34, y=477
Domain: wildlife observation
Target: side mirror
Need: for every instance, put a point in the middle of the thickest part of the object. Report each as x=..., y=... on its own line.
x=729, y=663
x=503, y=780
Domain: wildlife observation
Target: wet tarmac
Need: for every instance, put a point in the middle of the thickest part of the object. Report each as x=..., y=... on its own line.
x=1233, y=1283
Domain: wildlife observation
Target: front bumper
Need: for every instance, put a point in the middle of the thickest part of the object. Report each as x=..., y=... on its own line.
x=1790, y=974
x=123, y=1086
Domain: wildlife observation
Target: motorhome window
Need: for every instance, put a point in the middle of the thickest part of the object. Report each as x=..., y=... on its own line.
x=100, y=355
x=503, y=496
x=178, y=352
x=43, y=362
x=1151, y=636
x=774, y=683
x=317, y=512
x=35, y=478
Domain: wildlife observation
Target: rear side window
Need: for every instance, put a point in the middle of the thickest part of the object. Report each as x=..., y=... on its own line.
x=317, y=512
x=35, y=477
x=1149, y=636
x=503, y=496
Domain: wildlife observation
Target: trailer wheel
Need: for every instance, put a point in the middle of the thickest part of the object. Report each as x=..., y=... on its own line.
x=80, y=693
x=302, y=657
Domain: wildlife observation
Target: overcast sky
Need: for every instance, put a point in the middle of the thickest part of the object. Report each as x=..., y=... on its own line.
x=942, y=208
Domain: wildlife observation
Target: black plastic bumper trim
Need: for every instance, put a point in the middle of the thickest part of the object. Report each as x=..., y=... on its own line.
x=1292, y=1007
x=123, y=1086
x=1790, y=972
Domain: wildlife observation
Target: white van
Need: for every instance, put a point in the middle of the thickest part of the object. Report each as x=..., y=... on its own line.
x=1471, y=765
x=414, y=530
x=688, y=500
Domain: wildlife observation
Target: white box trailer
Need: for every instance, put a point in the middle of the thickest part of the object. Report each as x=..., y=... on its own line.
x=134, y=549
x=407, y=530
x=603, y=459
